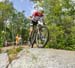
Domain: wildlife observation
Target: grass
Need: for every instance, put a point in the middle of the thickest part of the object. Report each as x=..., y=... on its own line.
x=1, y=46
x=12, y=53
x=62, y=47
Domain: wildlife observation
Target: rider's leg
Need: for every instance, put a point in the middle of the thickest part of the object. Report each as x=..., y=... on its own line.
x=32, y=25
x=30, y=29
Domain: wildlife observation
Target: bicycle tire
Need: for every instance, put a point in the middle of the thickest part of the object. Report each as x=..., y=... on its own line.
x=46, y=39
x=32, y=39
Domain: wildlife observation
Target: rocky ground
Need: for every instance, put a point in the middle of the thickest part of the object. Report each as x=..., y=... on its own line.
x=40, y=58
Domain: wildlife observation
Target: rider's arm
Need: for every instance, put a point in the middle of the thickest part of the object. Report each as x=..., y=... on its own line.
x=30, y=17
x=34, y=13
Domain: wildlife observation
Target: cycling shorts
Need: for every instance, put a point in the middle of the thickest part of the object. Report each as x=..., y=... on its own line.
x=33, y=23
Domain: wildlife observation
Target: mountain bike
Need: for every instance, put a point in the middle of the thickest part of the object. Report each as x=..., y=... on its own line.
x=39, y=35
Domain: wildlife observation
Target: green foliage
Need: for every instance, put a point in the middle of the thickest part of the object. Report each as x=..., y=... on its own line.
x=12, y=23
x=19, y=49
x=12, y=53
x=0, y=50
x=60, y=19
x=60, y=16
x=14, y=50
x=2, y=33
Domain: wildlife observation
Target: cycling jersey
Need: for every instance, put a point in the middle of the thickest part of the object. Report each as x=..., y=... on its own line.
x=37, y=13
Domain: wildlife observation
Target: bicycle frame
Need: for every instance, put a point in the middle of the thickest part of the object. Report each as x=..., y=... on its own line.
x=36, y=33
x=37, y=29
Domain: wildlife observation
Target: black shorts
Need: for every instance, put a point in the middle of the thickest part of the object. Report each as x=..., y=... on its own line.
x=33, y=23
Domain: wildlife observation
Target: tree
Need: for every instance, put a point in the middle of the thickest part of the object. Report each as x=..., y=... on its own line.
x=60, y=16
x=12, y=22
x=6, y=10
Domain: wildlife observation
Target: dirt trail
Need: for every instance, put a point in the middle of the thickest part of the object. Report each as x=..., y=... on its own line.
x=10, y=47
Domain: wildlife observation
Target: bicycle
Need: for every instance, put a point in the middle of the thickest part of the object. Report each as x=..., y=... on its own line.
x=39, y=35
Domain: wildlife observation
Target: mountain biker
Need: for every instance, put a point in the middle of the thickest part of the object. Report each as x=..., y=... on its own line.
x=37, y=14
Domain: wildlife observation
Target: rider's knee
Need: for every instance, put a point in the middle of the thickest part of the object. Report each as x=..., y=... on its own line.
x=31, y=29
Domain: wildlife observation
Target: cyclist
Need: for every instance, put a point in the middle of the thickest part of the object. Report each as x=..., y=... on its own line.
x=37, y=14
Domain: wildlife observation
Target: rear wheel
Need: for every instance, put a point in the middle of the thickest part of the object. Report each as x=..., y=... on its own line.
x=42, y=37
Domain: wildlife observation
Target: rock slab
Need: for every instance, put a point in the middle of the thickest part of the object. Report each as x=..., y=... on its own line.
x=44, y=58
x=4, y=60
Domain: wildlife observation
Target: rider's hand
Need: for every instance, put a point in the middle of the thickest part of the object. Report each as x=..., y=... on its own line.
x=30, y=17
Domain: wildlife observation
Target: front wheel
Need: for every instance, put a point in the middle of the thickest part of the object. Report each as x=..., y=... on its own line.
x=31, y=39
x=42, y=37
